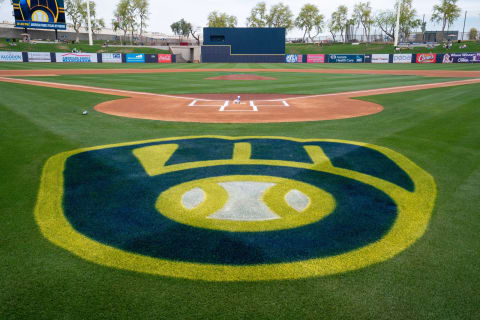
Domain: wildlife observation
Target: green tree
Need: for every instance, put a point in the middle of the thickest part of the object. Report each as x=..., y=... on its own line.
x=181, y=28
x=338, y=22
x=221, y=20
x=258, y=16
x=76, y=10
x=473, y=34
x=386, y=20
x=446, y=13
x=308, y=20
x=280, y=16
x=125, y=18
x=362, y=14
x=142, y=8
x=97, y=23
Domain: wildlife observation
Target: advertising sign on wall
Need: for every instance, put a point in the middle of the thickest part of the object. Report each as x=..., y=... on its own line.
x=135, y=58
x=294, y=58
x=402, y=58
x=461, y=58
x=111, y=57
x=346, y=58
x=39, y=57
x=426, y=57
x=71, y=57
x=380, y=58
x=7, y=56
x=164, y=58
x=316, y=58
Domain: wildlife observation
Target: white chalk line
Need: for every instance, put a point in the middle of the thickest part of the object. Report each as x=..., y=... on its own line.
x=45, y=83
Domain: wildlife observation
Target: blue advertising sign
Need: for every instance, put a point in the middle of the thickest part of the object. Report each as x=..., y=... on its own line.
x=346, y=58
x=135, y=58
x=39, y=14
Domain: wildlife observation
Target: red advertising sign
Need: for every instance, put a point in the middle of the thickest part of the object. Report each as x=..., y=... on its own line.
x=164, y=58
x=316, y=58
x=426, y=58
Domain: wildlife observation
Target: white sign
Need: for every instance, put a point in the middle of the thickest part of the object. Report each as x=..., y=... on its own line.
x=7, y=56
x=380, y=58
x=76, y=57
x=39, y=57
x=111, y=57
x=402, y=58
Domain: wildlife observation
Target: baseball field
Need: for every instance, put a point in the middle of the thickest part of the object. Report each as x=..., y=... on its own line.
x=239, y=191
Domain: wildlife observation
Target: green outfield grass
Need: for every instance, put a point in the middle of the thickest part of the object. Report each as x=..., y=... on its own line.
x=34, y=66
x=294, y=83
x=340, y=48
x=436, y=278
x=97, y=47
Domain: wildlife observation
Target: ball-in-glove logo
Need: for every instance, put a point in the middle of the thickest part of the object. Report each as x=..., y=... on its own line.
x=235, y=209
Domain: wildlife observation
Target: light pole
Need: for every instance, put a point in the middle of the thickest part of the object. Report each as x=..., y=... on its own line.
x=397, y=27
x=90, y=39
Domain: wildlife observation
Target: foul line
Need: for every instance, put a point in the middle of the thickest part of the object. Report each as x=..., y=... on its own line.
x=128, y=93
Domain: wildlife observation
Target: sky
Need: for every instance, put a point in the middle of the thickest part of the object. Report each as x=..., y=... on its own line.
x=164, y=13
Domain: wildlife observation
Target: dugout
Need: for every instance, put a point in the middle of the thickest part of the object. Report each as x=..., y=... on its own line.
x=243, y=45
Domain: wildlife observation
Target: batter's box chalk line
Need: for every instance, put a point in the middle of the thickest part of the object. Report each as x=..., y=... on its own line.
x=227, y=103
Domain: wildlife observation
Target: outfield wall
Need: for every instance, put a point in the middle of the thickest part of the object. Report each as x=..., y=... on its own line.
x=71, y=57
x=221, y=54
x=402, y=58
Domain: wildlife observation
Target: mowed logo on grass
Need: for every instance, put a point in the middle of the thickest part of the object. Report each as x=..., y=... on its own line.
x=235, y=209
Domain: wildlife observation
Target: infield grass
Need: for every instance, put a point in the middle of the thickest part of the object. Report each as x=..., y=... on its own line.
x=436, y=278
x=293, y=83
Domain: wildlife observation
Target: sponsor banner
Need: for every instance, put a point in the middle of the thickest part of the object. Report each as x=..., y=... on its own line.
x=151, y=58
x=76, y=57
x=294, y=58
x=461, y=58
x=111, y=57
x=7, y=56
x=316, y=58
x=426, y=57
x=39, y=57
x=380, y=58
x=135, y=58
x=164, y=58
x=346, y=58
x=402, y=58
x=368, y=58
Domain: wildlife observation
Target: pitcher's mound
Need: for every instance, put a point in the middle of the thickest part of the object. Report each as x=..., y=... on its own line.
x=241, y=77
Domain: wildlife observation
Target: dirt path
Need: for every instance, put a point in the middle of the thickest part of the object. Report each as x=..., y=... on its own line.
x=253, y=108
x=423, y=73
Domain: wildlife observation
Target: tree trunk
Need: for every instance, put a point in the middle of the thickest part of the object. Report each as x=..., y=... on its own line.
x=77, y=38
x=443, y=28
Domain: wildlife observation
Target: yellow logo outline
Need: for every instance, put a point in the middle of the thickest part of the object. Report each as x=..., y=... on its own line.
x=414, y=212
